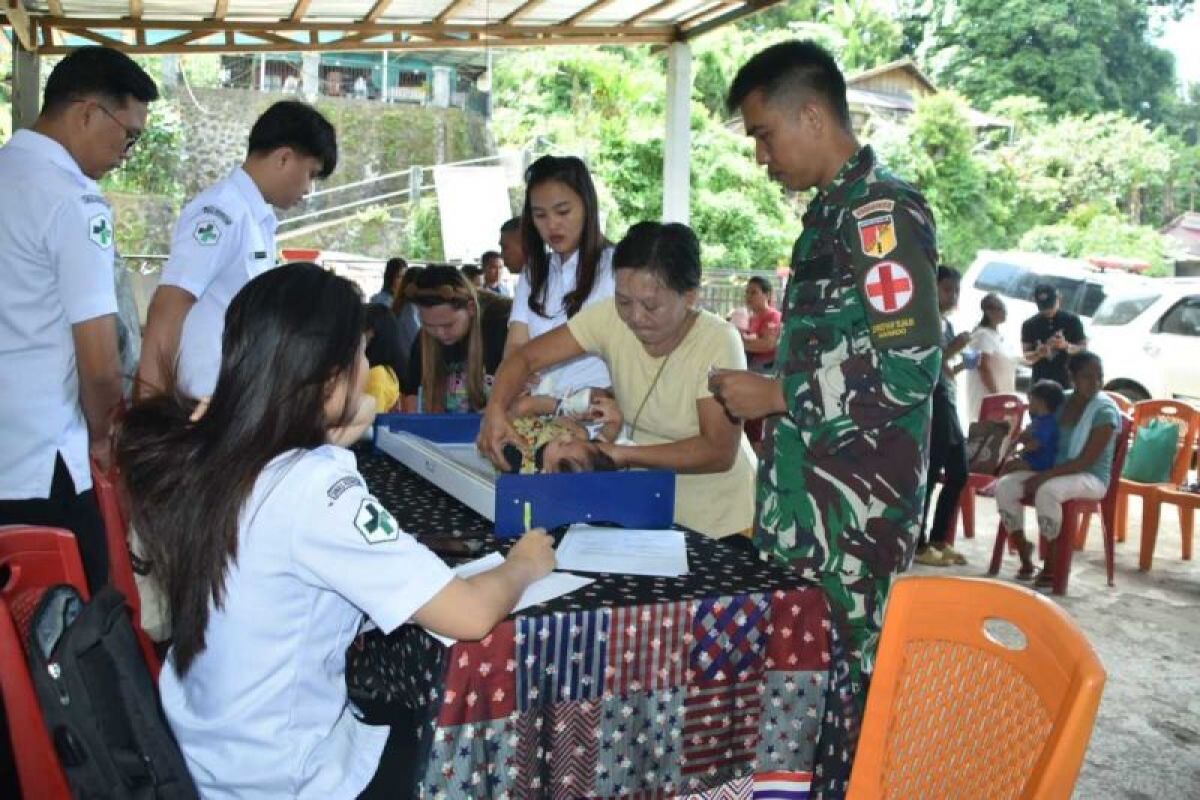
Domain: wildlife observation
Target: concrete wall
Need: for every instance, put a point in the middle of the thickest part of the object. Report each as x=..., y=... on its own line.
x=373, y=138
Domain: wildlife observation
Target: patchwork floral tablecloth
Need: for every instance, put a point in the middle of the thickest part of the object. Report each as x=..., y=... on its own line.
x=714, y=684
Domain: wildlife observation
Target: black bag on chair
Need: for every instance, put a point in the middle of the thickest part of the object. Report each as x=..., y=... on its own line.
x=101, y=706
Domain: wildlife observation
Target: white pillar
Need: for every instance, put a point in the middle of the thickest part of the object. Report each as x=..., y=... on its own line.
x=26, y=83
x=384, y=88
x=310, y=76
x=677, y=155
x=442, y=89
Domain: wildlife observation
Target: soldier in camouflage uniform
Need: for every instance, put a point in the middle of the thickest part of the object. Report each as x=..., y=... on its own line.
x=842, y=485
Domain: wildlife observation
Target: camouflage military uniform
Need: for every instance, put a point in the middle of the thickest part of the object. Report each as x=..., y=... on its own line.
x=841, y=488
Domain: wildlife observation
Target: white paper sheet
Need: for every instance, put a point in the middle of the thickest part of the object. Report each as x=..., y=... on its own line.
x=626, y=551
x=556, y=584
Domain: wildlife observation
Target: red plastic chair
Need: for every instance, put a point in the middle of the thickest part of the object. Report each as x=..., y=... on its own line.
x=1072, y=510
x=120, y=565
x=1008, y=408
x=1123, y=402
x=32, y=559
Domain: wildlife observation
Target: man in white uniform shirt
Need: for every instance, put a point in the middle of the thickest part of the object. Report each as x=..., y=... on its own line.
x=225, y=237
x=60, y=373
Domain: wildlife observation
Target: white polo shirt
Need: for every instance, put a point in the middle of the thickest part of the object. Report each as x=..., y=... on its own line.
x=263, y=711
x=580, y=372
x=56, y=270
x=224, y=237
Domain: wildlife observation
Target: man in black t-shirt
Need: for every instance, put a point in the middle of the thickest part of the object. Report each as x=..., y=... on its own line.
x=1049, y=337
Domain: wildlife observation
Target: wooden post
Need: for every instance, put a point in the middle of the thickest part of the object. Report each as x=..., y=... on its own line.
x=26, y=82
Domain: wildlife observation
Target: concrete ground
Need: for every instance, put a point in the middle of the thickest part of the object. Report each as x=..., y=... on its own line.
x=1146, y=629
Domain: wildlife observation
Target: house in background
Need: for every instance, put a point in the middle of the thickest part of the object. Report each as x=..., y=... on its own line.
x=889, y=93
x=444, y=79
x=886, y=95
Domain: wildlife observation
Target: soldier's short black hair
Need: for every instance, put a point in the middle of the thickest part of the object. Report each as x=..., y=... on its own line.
x=795, y=66
x=488, y=256
x=671, y=251
x=97, y=71
x=1049, y=392
x=290, y=123
x=948, y=273
x=511, y=226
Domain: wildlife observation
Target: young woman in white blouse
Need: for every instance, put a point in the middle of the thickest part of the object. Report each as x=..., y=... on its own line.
x=997, y=370
x=569, y=265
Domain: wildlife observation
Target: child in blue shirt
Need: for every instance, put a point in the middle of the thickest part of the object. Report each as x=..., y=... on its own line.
x=1039, y=440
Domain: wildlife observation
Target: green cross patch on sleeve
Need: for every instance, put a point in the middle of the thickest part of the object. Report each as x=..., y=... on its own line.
x=100, y=231
x=207, y=233
x=375, y=523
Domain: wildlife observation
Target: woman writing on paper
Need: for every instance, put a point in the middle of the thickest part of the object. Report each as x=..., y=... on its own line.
x=272, y=550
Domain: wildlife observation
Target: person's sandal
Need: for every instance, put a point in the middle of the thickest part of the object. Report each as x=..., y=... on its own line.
x=952, y=557
x=1044, y=580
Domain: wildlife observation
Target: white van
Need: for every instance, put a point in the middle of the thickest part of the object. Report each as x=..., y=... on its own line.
x=1149, y=337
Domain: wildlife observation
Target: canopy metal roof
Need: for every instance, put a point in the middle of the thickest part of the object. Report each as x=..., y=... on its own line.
x=170, y=26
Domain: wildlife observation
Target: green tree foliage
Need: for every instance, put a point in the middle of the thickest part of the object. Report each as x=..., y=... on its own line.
x=1106, y=159
x=423, y=232
x=1097, y=231
x=1078, y=56
x=606, y=105
x=153, y=166
x=934, y=152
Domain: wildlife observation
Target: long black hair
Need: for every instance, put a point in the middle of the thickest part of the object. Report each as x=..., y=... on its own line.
x=289, y=335
x=572, y=173
x=442, y=285
x=384, y=348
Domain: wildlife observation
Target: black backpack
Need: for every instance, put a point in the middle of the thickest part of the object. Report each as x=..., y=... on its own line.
x=101, y=706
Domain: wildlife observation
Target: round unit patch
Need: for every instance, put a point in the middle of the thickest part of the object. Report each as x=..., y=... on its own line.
x=888, y=286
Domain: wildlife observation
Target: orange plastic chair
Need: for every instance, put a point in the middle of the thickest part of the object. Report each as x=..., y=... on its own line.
x=1007, y=722
x=1188, y=420
x=31, y=560
x=1072, y=512
x=1008, y=408
x=120, y=564
x=1186, y=502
